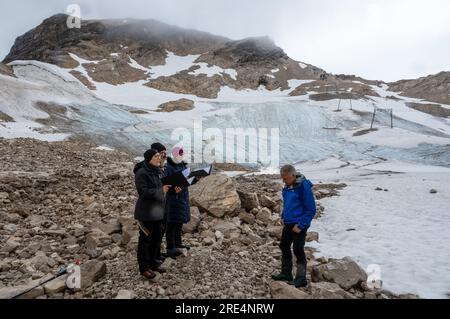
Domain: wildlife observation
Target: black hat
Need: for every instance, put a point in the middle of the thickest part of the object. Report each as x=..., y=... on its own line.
x=149, y=154
x=159, y=147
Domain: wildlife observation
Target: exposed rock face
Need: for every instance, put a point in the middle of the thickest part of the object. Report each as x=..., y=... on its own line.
x=112, y=46
x=179, y=105
x=432, y=109
x=144, y=40
x=337, y=87
x=434, y=88
x=6, y=70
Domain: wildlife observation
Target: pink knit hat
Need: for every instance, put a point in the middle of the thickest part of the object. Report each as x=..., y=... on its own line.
x=177, y=151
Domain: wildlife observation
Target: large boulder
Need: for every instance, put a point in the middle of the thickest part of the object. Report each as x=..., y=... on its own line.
x=344, y=272
x=216, y=195
x=282, y=290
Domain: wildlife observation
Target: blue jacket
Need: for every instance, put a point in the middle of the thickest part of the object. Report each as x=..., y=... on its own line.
x=299, y=203
x=177, y=205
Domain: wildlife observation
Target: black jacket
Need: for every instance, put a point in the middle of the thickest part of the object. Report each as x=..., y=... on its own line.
x=177, y=205
x=151, y=202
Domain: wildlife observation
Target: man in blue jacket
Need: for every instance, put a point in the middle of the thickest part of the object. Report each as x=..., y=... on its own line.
x=298, y=212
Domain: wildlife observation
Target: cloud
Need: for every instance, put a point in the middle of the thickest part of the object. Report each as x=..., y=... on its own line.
x=377, y=39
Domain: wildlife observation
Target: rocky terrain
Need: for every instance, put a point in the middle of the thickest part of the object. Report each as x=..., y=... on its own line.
x=434, y=88
x=69, y=201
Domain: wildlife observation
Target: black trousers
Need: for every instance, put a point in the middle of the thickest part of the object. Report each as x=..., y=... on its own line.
x=173, y=235
x=163, y=232
x=288, y=239
x=149, y=244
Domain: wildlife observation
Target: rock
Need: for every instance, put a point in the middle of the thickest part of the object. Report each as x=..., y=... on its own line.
x=433, y=191
x=379, y=189
x=247, y=218
x=370, y=295
x=312, y=236
x=275, y=231
x=125, y=294
x=264, y=215
x=41, y=262
x=11, y=245
x=113, y=227
x=179, y=105
x=91, y=272
x=228, y=228
x=208, y=237
x=55, y=286
x=282, y=290
x=193, y=224
x=266, y=201
x=344, y=272
x=328, y=290
x=95, y=241
x=10, y=228
x=216, y=195
x=249, y=201
x=130, y=230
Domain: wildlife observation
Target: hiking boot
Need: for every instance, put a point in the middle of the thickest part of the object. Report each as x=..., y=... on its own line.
x=299, y=282
x=183, y=247
x=286, y=271
x=300, y=277
x=149, y=274
x=283, y=277
x=173, y=253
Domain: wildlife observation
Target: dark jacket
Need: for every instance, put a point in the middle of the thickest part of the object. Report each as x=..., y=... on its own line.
x=299, y=203
x=151, y=202
x=178, y=209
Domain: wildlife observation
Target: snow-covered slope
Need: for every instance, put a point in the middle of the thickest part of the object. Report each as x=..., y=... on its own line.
x=404, y=229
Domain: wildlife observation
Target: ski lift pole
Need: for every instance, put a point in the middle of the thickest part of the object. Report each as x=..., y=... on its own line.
x=392, y=118
x=373, y=117
x=61, y=272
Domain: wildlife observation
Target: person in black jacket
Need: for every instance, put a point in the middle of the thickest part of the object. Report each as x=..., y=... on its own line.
x=162, y=150
x=149, y=212
x=178, y=208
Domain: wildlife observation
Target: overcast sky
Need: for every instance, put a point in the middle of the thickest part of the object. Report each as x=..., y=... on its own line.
x=377, y=39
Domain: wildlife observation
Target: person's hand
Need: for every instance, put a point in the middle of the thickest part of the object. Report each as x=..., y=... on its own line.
x=297, y=229
x=166, y=188
x=178, y=190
